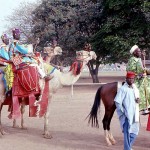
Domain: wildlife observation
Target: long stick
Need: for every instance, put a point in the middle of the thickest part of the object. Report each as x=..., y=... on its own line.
x=144, y=59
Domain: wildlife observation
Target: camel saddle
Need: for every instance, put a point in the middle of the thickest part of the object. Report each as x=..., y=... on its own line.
x=26, y=85
x=26, y=81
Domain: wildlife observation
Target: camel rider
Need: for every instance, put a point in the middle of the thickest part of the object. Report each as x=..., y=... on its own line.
x=142, y=81
x=23, y=52
x=4, y=59
x=4, y=47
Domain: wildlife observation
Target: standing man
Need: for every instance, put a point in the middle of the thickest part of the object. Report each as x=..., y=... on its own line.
x=142, y=81
x=127, y=109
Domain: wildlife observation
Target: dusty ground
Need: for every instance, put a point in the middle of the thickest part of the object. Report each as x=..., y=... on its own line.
x=68, y=126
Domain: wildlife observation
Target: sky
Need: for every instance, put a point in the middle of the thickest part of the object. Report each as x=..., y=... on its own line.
x=6, y=8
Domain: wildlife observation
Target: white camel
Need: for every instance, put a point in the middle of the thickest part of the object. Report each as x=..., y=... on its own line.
x=65, y=78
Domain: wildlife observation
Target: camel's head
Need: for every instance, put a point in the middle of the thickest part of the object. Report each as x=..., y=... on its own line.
x=85, y=55
x=53, y=50
x=57, y=50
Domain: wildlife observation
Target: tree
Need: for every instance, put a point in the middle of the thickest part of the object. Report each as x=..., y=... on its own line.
x=110, y=26
x=71, y=22
x=21, y=18
x=120, y=30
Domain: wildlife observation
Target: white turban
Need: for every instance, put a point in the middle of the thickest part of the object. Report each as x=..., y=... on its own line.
x=133, y=49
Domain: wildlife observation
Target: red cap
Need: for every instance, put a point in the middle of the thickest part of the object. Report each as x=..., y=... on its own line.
x=130, y=74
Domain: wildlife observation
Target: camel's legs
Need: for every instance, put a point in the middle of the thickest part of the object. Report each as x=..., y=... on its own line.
x=2, y=132
x=46, y=121
x=22, y=113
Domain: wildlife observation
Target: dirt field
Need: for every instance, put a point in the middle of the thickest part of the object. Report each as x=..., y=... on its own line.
x=68, y=126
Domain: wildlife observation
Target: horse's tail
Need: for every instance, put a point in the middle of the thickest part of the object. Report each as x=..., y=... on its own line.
x=93, y=114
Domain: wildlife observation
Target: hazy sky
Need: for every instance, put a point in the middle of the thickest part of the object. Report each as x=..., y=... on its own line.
x=6, y=8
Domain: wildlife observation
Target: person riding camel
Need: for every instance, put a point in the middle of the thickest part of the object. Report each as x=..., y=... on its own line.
x=4, y=59
x=142, y=81
x=4, y=47
x=22, y=54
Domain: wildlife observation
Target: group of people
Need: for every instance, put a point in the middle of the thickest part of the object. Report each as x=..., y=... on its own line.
x=132, y=97
x=20, y=56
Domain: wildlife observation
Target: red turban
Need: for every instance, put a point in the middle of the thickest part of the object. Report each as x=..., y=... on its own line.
x=130, y=74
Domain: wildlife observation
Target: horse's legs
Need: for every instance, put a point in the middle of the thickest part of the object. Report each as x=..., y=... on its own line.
x=47, y=134
x=106, y=125
x=111, y=138
x=106, y=134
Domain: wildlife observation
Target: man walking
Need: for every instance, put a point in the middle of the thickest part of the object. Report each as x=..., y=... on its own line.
x=126, y=101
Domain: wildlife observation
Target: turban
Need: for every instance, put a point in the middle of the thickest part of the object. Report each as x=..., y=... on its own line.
x=15, y=31
x=130, y=74
x=4, y=36
x=133, y=49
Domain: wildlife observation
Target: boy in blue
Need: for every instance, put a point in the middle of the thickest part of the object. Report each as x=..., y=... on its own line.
x=18, y=49
x=24, y=52
x=126, y=105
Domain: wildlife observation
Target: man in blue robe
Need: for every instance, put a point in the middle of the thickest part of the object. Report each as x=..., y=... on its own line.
x=19, y=49
x=126, y=101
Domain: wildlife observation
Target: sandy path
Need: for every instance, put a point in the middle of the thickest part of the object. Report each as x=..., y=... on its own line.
x=68, y=126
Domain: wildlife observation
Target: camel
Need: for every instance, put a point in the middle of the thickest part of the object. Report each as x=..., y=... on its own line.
x=65, y=78
x=59, y=79
x=51, y=52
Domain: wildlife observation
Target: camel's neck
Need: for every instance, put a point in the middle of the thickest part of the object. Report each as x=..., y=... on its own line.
x=68, y=78
x=49, y=58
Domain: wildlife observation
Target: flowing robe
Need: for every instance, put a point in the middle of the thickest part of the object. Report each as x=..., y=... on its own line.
x=142, y=81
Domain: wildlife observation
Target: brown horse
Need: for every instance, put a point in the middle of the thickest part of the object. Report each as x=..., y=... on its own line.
x=106, y=93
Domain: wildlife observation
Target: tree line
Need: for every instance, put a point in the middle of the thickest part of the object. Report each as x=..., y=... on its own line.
x=111, y=26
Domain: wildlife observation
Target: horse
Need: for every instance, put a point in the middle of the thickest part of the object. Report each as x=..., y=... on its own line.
x=106, y=93
x=59, y=79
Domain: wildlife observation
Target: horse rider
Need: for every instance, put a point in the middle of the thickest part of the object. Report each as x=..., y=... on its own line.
x=126, y=101
x=142, y=81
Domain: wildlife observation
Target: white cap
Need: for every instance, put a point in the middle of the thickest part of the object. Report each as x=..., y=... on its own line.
x=133, y=49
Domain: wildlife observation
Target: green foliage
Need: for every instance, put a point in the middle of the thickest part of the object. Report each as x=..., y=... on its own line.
x=70, y=22
x=112, y=26
x=124, y=24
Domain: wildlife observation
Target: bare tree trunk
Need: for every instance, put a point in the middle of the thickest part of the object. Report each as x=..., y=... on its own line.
x=93, y=71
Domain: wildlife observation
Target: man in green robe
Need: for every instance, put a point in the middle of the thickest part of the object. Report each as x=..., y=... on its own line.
x=142, y=81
